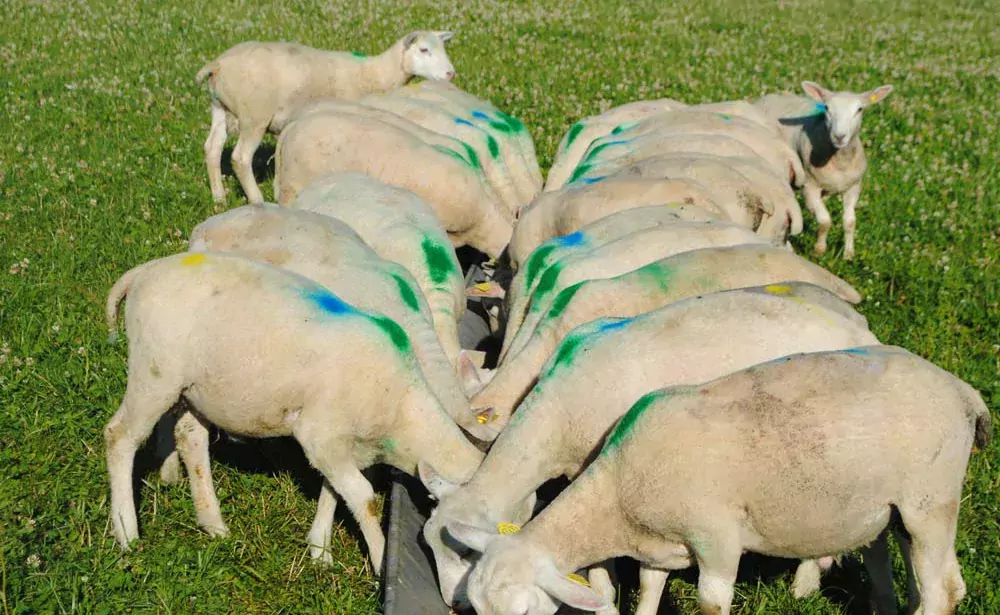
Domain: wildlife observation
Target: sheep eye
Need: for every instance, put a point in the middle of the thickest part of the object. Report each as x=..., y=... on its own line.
x=424, y=50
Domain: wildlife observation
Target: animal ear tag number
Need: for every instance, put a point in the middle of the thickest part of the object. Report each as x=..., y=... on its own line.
x=506, y=529
x=579, y=580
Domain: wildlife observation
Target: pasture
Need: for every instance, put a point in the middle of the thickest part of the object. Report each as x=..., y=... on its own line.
x=101, y=168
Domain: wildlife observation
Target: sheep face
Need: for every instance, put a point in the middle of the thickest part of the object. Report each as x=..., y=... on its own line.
x=424, y=55
x=843, y=110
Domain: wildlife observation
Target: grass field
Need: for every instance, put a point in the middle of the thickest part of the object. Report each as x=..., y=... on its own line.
x=101, y=168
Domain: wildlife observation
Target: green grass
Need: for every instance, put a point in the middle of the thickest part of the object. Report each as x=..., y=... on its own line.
x=101, y=131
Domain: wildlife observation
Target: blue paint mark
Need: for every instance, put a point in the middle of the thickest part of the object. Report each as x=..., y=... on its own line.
x=726, y=117
x=614, y=325
x=328, y=302
x=479, y=115
x=858, y=351
x=464, y=122
x=574, y=239
x=819, y=108
x=593, y=180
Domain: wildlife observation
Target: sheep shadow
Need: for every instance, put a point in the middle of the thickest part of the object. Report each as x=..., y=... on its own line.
x=262, y=165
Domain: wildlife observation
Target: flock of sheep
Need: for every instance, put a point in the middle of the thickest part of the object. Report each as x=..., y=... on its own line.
x=708, y=391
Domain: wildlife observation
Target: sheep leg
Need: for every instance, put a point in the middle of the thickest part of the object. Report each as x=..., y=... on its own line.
x=213, y=152
x=850, y=218
x=600, y=581
x=718, y=562
x=141, y=408
x=814, y=202
x=321, y=531
x=807, y=577
x=878, y=563
x=326, y=454
x=191, y=435
x=651, y=584
x=938, y=577
x=250, y=138
x=163, y=437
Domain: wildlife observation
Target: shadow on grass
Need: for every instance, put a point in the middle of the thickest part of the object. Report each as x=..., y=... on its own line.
x=263, y=163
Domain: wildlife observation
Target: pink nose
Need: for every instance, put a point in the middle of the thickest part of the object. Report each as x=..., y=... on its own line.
x=449, y=75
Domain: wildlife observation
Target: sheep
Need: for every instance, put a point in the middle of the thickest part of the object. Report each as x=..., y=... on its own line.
x=590, y=236
x=508, y=130
x=580, y=135
x=601, y=368
x=825, y=130
x=749, y=192
x=263, y=352
x=670, y=279
x=810, y=456
x=565, y=211
x=658, y=134
x=401, y=227
x=617, y=257
x=449, y=180
x=252, y=82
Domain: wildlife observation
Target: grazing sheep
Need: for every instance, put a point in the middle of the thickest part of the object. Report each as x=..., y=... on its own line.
x=601, y=368
x=253, y=82
x=825, y=130
x=670, y=279
x=400, y=227
x=565, y=211
x=581, y=134
x=450, y=181
x=263, y=352
x=617, y=257
x=749, y=193
x=810, y=455
x=508, y=130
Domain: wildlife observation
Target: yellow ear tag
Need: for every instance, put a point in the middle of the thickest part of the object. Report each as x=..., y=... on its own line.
x=778, y=289
x=482, y=286
x=482, y=418
x=506, y=529
x=195, y=258
x=578, y=579
x=872, y=98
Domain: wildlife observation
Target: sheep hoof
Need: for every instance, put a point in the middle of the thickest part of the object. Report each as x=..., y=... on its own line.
x=820, y=248
x=849, y=255
x=217, y=531
x=321, y=556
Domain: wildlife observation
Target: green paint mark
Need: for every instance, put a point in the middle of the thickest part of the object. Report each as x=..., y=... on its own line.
x=536, y=263
x=473, y=156
x=580, y=171
x=389, y=445
x=573, y=133
x=493, y=145
x=514, y=123
x=406, y=293
x=546, y=284
x=566, y=352
x=657, y=274
x=472, y=161
x=618, y=129
x=627, y=423
x=562, y=301
x=399, y=338
x=439, y=260
x=597, y=150
x=358, y=55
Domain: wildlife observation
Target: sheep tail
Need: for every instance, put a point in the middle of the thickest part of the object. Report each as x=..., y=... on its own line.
x=206, y=71
x=118, y=292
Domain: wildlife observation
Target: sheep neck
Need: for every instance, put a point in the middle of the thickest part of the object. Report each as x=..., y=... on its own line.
x=385, y=71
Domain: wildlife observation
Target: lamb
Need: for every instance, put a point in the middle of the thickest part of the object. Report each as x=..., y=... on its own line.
x=505, y=128
x=589, y=383
x=263, y=352
x=617, y=257
x=565, y=211
x=825, y=131
x=886, y=430
x=400, y=227
x=580, y=135
x=252, y=82
x=671, y=279
x=450, y=181
x=749, y=193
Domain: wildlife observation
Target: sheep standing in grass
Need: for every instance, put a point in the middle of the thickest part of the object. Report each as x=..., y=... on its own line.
x=253, y=82
x=263, y=352
x=825, y=130
x=603, y=367
x=802, y=457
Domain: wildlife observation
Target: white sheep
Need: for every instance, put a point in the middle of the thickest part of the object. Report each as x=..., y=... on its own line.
x=263, y=352
x=601, y=368
x=670, y=279
x=401, y=227
x=802, y=457
x=825, y=130
x=450, y=180
x=622, y=255
x=253, y=82
x=565, y=211
x=580, y=135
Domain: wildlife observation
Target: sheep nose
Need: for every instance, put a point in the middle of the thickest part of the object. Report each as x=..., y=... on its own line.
x=449, y=75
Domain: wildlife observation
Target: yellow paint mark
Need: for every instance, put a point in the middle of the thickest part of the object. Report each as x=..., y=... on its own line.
x=195, y=258
x=578, y=579
x=508, y=528
x=482, y=286
x=372, y=507
x=778, y=289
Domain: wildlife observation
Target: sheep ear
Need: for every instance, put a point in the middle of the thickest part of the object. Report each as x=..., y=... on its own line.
x=873, y=96
x=445, y=35
x=468, y=373
x=471, y=536
x=409, y=39
x=815, y=91
x=435, y=483
x=571, y=593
